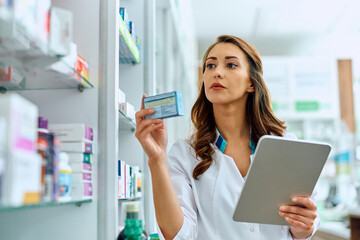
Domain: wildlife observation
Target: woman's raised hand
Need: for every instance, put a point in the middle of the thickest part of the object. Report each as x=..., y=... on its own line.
x=151, y=134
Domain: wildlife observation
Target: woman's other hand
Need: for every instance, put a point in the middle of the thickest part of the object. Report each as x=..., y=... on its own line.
x=301, y=218
x=151, y=134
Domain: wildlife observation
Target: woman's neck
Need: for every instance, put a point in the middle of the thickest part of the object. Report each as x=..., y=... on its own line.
x=231, y=122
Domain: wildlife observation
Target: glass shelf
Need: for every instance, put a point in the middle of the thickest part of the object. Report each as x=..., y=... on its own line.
x=126, y=123
x=42, y=205
x=129, y=52
x=129, y=199
x=47, y=79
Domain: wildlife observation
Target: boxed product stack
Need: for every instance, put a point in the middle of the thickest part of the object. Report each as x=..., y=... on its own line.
x=20, y=181
x=130, y=25
x=35, y=31
x=129, y=181
x=77, y=142
x=56, y=172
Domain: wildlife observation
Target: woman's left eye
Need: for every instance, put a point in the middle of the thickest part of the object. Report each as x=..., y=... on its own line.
x=232, y=65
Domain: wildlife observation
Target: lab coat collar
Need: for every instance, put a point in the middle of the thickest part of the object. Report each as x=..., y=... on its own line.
x=221, y=143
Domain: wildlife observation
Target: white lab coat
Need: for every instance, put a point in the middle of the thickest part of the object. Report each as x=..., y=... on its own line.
x=208, y=204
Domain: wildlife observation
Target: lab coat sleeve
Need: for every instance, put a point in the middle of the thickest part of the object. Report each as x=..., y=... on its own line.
x=179, y=158
x=313, y=197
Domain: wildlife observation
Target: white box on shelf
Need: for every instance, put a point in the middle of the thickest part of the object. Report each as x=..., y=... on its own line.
x=127, y=181
x=82, y=190
x=15, y=30
x=72, y=132
x=21, y=180
x=79, y=157
x=121, y=184
x=128, y=110
x=67, y=63
x=122, y=96
x=61, y=22
x=81, y=167
x=11, y=77
x=21, y=117
x=79, y=147
x=78, y=177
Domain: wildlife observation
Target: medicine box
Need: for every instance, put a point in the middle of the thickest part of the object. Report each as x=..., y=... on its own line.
x=81, y=190
x=79, y=147
x=79, y=157
x=128, y=110
x=122, y=96
x=165, y=105
x=11, y=77
x=72, y=132
x=61, y=22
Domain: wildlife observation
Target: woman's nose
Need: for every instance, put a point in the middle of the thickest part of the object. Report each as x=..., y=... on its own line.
x=218, y=73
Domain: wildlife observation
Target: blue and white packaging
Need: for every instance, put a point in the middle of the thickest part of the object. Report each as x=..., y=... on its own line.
x=165, y=105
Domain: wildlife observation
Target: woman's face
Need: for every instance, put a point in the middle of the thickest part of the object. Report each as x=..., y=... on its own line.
x=226, y=77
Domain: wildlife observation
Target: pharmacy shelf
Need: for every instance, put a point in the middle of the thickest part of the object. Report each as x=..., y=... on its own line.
x=125, y=123
x=42, y=205
x=129, y=199
x=46, y=80
x=129, y=52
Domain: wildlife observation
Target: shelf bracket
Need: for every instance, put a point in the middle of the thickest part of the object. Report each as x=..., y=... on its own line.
x=3, y=90
x=80, y=88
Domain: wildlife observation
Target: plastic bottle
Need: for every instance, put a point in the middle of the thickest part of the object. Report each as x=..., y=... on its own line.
x=64, y=178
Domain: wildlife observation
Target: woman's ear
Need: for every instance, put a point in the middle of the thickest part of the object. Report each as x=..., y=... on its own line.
x=251, y=88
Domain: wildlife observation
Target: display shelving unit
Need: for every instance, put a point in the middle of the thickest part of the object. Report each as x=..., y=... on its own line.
x=109, y=49
x=56, y=99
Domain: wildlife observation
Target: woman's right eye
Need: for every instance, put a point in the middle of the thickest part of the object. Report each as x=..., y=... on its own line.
x=210, y=65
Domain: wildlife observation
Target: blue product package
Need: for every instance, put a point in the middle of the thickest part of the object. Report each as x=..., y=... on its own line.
x=165, y=105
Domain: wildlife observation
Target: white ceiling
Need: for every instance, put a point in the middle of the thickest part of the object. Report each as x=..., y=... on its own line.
x=282, y=27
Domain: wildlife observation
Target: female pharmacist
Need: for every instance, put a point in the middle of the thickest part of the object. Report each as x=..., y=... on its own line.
x=197, y=184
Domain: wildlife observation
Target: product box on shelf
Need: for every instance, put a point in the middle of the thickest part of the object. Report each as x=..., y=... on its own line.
x=132, y=30
x=122, y=96
x=21, y=117
x=43, y=148
x=82, y=68
x=72, y=132
x=21, y=178
x=67, y=63
x=121, y=179
x=42, y=28
x=125, y=17
x=128, y=110
x=81, y=167
x=127, y=182
x=136, y=178
x=65, y=178
x=11, y=77
x=61, y=22
x=15, y=29
x=51, y=192
x=77, y=177
x=79, y=147
x=81, y=190
x=79, y=157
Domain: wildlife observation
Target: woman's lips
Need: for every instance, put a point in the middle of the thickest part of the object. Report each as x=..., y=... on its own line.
x=217, y=86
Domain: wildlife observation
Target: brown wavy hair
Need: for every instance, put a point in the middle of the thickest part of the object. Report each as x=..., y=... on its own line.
x=259, y=113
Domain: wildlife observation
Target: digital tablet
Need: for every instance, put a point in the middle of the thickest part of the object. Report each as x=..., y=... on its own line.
x=281, y=168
